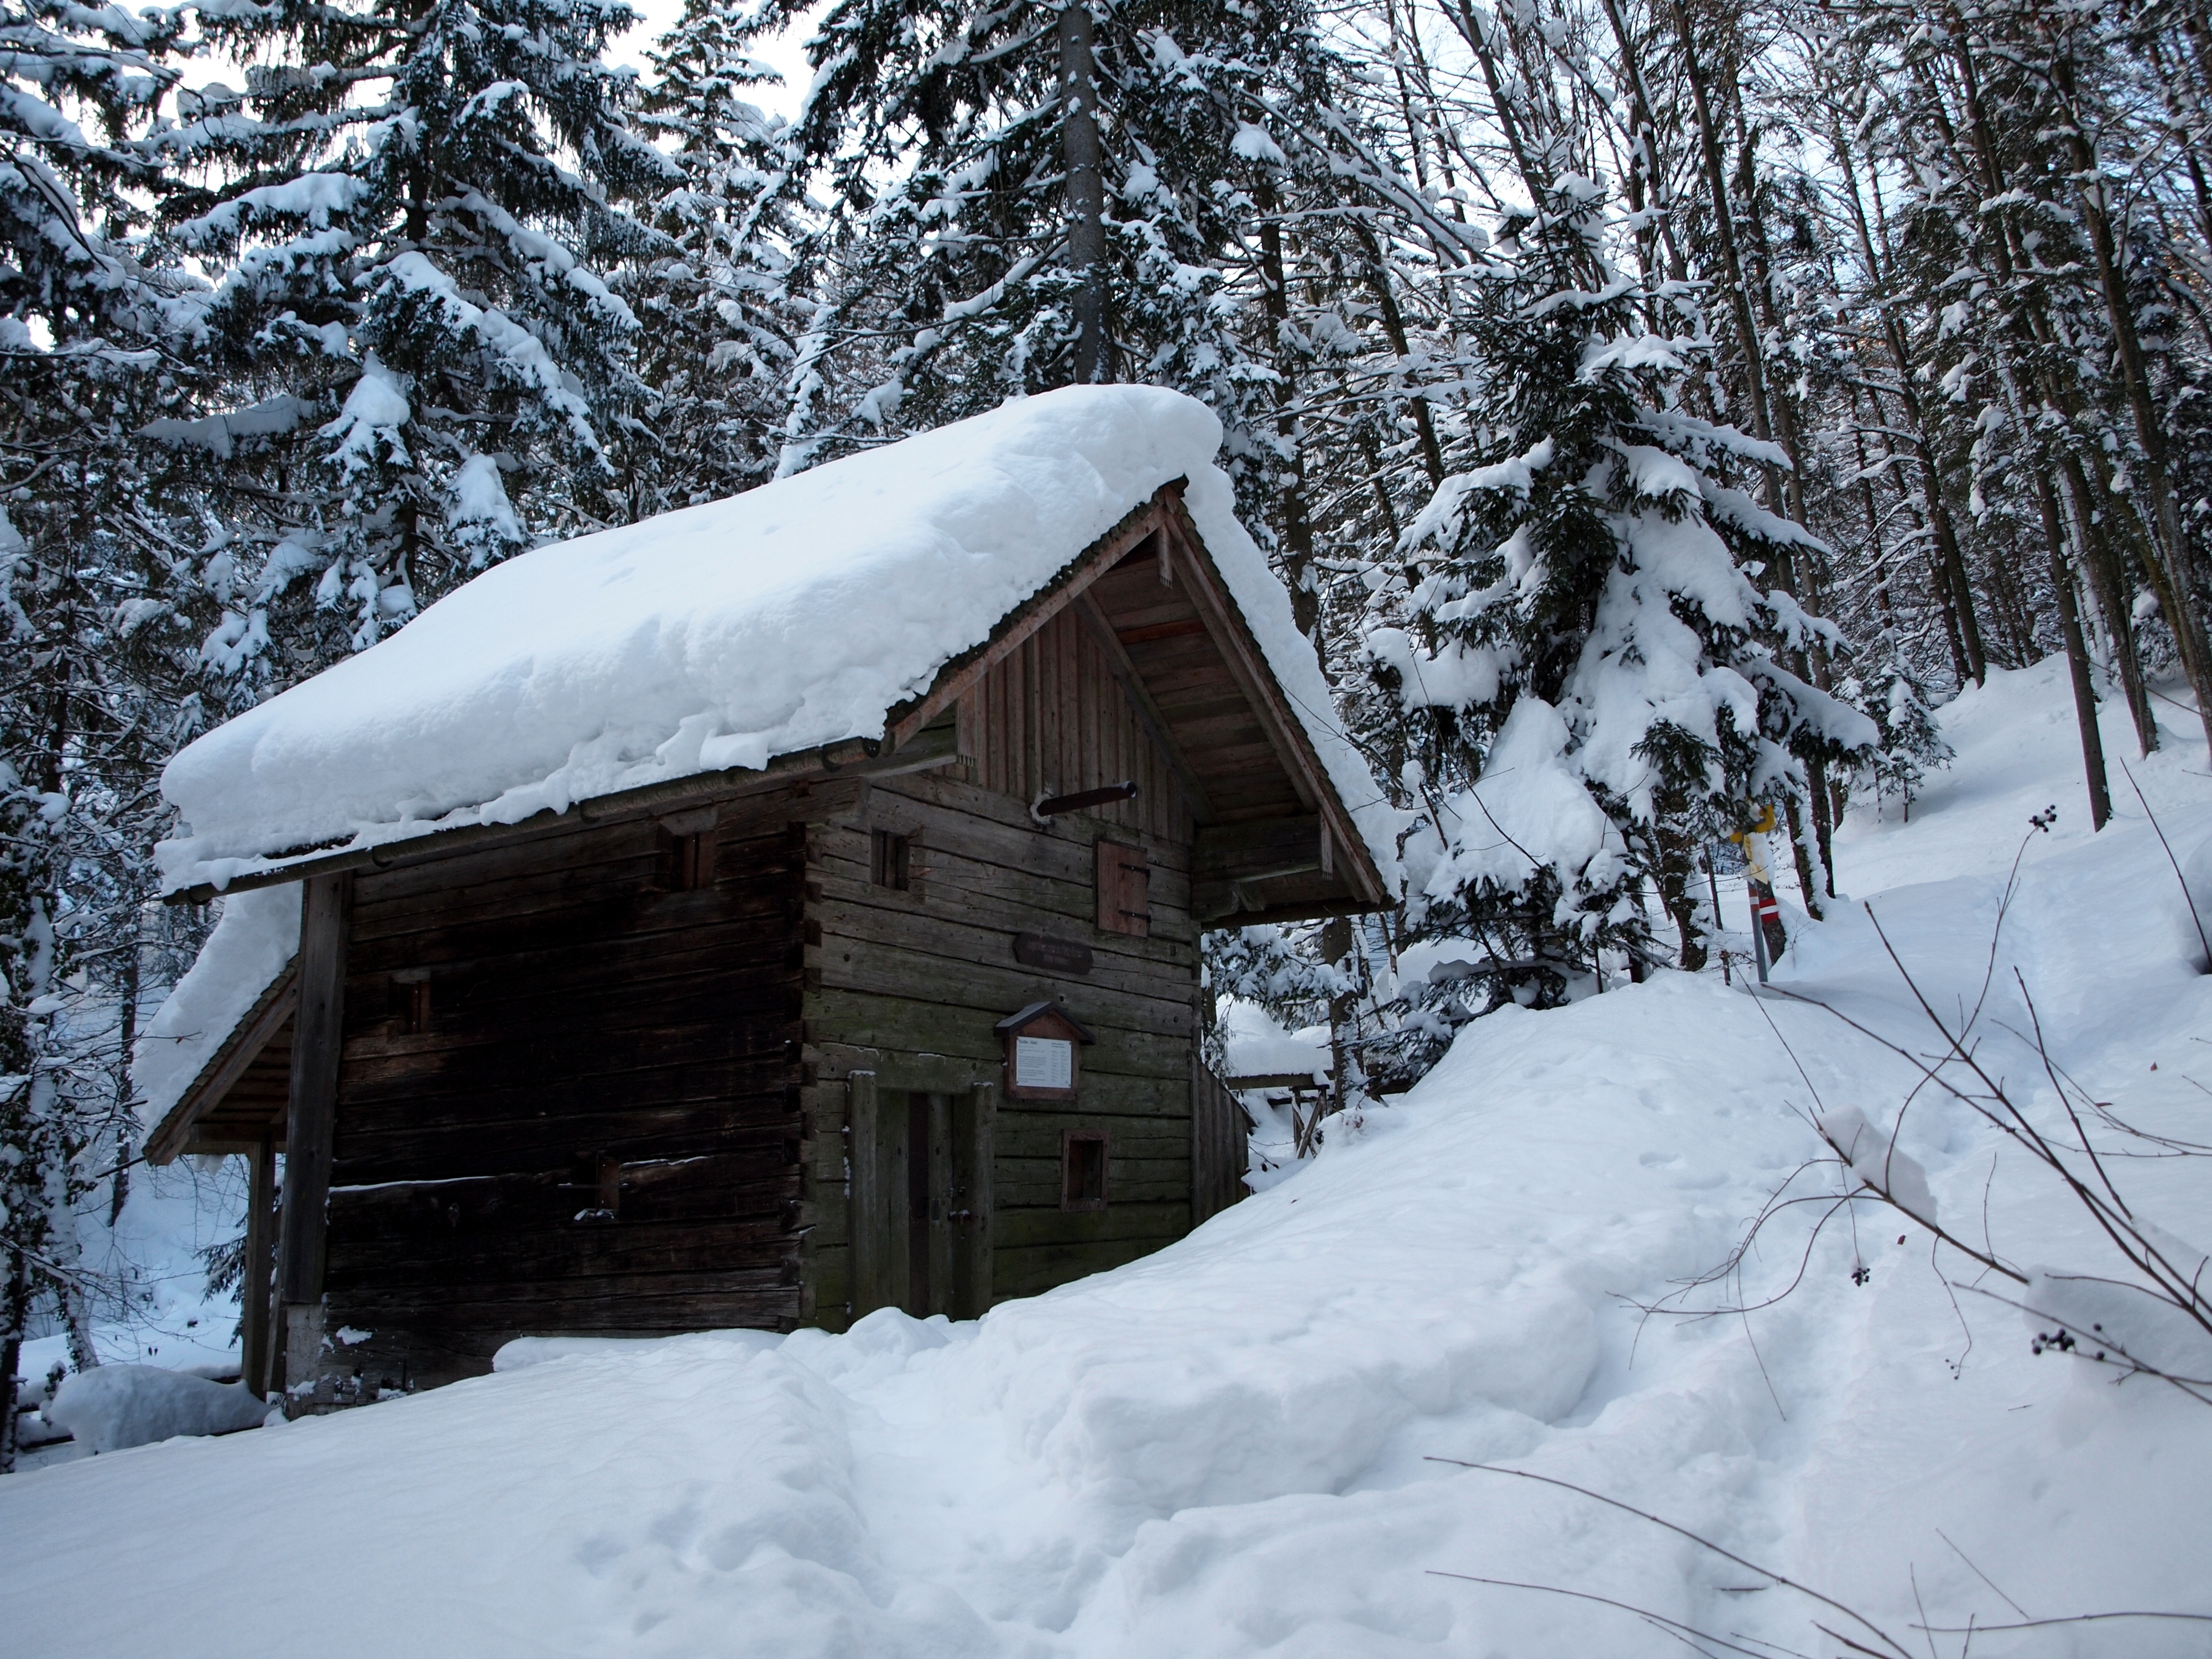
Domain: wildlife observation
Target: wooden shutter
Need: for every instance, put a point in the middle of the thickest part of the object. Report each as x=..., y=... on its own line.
x=1125, y=881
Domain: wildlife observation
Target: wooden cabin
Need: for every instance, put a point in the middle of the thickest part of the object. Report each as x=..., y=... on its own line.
x=906, y=1020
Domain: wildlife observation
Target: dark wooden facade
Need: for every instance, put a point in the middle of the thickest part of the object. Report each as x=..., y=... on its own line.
x=730, y=1052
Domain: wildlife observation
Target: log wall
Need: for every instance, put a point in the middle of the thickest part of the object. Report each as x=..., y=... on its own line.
x=907, y=987
x=597, y=1127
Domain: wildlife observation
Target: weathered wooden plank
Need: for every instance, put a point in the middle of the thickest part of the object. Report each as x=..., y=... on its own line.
x=1022, y=1228
x=470, y=1149
x=968, y=873
x=586, y=950
x=977, y=1198
x=256, y=1282
x=573, y=1055
x=939, y=1183
x=1011, y=814
x=1161, y=1101
x=873, y=1180
x=1164, y=1138
x=731, y=1184
x=431, y=936
x=549, y=1266
x=1011, y=633
x=1150, y=719
x=517, y=1094
x=872, y=1021
x=661, y=1302
x=998, y=988
x=848, y=928
x=998, y=829
x=446, y=1135
x=989, y=911
x=1220, y=1145
x=507, y=878
x=987, y=895
x=1035, y=1182
x=1033, y=1269
x=463, y=1012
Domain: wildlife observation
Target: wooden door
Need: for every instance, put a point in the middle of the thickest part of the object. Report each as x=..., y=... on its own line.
x=921, y=1198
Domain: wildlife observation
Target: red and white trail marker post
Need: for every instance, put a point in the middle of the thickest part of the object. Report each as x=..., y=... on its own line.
x=1768, y=940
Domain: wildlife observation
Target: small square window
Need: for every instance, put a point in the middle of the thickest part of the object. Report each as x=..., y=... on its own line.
x=890, y=861
x=1083, y=1170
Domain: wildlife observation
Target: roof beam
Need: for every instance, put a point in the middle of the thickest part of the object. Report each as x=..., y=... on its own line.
x=232, y=1059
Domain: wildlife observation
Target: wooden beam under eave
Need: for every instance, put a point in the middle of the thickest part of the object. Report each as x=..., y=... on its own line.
x=853, y=757
x=1285, y=734
x=174, y=1134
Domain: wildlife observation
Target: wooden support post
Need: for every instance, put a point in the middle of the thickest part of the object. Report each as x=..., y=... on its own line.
x=254, y=1283
x=871, y=1208
x=976, y=1150
x=317, y=1035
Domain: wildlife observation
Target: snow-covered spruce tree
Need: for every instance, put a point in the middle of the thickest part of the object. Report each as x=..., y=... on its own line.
x=1572, y=668
x=1883, y=685
x=966, y=242
x=416, y=201
x=717, y=322
x=92, y=690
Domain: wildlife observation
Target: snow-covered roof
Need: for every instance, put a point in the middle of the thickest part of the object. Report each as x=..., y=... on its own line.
x=254, y=940
x=719, y=636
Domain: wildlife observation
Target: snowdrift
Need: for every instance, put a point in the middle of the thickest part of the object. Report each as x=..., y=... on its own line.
x=114, y=1406
x=1231, y=1447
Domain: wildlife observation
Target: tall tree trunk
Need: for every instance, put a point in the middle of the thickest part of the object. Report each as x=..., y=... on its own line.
x=2187, y=620
x=1086, y=229
x=1394, y=329
x=2101, y=564
x=1297, y=521
x=14, y=1315
x=1716, y=171
x=1956, y=591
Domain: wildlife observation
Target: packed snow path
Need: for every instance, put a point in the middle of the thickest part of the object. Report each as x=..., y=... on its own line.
x=1227, y=1449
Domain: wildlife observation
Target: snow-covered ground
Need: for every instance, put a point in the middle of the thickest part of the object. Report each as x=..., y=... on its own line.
x=1230, y=1448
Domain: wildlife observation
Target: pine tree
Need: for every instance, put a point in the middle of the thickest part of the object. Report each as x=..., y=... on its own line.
x=719, y=324
x=415, y=312
x=960, y=260
x=91, y=682
x=1571, y=669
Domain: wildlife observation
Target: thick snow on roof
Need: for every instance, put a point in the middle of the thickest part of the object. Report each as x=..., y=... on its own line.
x=719, y=636
x=254, y=940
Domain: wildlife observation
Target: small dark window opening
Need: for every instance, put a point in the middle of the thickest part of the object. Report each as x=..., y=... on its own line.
x=411, y=1006
x=890, y=861
x=1083, y=1170
x=694, y=862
